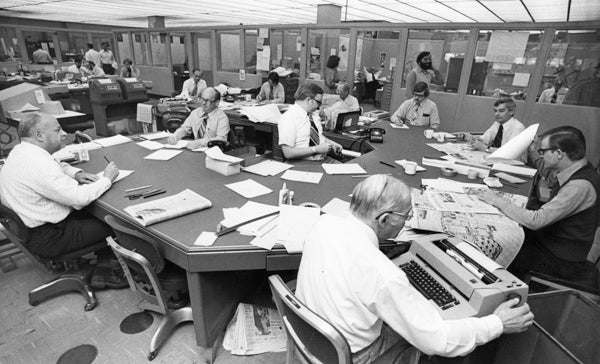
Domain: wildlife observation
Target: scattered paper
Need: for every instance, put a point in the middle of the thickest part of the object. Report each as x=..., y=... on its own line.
x=302, y=176
x=149, y=144
x=122, y=174
x=343, y=168
x=249, y=188
x=249, y=211
x=113, y=140
x=157, y=135
x=217, y=154
x=337, y=207
x=399, y=126
x=206, y=238
x=260, y=114
x=179, y=145
x=268, y=239
x=267, y=168
x=163, y=155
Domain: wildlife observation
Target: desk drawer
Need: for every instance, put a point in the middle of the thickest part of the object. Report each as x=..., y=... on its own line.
x=283, y=261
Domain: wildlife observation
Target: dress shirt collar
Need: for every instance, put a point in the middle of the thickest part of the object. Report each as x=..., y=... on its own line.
x=564, y=175
x=366, y=229
x=32, y=148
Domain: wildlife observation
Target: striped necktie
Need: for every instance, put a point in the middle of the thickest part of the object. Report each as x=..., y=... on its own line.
x=271, y=93
x=413, y=116
x=195, y=89
x=314, y=132
x=202, y=126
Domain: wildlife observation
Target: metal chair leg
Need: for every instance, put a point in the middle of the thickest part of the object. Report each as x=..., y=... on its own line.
x=64, y=283
x=166, y=327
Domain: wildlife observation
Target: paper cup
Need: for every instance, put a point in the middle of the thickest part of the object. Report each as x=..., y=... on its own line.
x=248, y=97
x=440, y=137
x=472, y=174
x=428, y=133
x=410, y=167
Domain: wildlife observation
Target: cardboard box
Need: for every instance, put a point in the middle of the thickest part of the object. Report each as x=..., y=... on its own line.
x=377, y=114
x=221, y=163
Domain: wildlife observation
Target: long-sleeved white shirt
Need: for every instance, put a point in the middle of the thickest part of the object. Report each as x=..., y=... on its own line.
x=346, y=279
x=41, y=190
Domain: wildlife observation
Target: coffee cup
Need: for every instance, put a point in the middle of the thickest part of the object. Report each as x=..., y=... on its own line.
x=248, y=97
x=440, y=137
x=410, y=167
x=428, y=133
x=472, y=174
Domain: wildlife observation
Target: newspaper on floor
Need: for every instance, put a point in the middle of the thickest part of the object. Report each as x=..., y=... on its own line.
x=183, y=203
x=255, y=330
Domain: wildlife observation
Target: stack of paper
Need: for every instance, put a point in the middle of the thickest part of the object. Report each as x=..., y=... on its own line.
x=113, y=140
x=254, y=330
x=249, y=211
x=260, y=114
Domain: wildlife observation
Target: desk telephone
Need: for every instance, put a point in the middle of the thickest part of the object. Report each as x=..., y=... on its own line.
x=376, y=135
x=223, y=145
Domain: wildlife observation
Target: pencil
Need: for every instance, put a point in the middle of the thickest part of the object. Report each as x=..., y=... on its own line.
x=107, y=161
x=232, y=228
x=387, y=164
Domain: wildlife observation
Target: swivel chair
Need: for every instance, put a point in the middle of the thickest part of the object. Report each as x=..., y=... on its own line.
x=155, y=278
x=81, y=137
x=19, y=235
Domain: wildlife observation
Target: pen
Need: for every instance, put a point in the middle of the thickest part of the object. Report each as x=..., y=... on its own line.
x=159, y=192
x=368, y=175
x=107, y=161
x=387, y=164
x=232, y=228
x=138, y=188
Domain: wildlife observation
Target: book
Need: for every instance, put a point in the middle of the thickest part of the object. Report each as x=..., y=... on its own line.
x=183, y=203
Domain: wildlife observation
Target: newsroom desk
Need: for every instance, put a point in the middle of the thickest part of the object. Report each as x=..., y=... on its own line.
x=219, y=275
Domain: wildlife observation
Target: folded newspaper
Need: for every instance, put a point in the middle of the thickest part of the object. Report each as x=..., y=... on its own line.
x=255, y=330
x=183, y=203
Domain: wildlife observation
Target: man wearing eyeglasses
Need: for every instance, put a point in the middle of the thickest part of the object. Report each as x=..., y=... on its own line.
x=560, y=228
x=348, y=281
x=204, y=124
x=193, y=86
x=300, y=132
x=418, y=110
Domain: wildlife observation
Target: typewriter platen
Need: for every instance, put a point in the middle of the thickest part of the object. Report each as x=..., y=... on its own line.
x=457, y=278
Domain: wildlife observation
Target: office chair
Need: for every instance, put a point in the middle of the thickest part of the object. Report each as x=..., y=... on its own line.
x=172, y=120
x=156, y=278
x=18, y=234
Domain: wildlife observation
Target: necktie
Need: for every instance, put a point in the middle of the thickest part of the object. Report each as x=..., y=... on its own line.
x=553, y=99
x=195, y=89
x=271, y=93
x=497, y=142
x=413, y=116
x=314, y=133
x=202, y=126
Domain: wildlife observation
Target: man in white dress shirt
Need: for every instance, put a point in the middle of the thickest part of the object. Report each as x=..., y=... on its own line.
x=92, y=55
x=346, y=103
x=504, y=128
x=77, y=69
x=49, y=196
x=347, y=280
x=193, y=86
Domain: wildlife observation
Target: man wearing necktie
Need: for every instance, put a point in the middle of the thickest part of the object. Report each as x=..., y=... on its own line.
x=193, y=86
x=418, y=110
x=204, y=124
x=272, y=90
x=504, y=128
x=300, y=132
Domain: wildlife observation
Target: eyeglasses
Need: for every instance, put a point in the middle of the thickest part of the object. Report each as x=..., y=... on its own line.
x=318, y=101
x=202, y=99
x=407, y=216
x=420, y=96
x=541, y=151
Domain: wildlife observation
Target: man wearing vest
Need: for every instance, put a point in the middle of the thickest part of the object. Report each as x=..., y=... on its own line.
x=559, y=229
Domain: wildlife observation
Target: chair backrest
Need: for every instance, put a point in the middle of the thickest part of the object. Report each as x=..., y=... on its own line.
x=17, y=232
x=346, y=119
x=173, y=119
x=316, y=340
x=81, y=137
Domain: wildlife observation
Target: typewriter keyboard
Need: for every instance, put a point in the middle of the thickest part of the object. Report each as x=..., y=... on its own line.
x=428, y=286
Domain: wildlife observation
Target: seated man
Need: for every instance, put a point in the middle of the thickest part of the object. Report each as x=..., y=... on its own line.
x=49, y=196
x=347, y=103
x=94, y=69
x=41, y=56
x=560, y=231
x=347, y=280
x=371, y=78
x=77, y=69
x=418, y=110
x=300, y=133
x=193, y=86
x=554, y=94
x=129, y=70
x=204, y=124
x=272, y=91
x=502, y=130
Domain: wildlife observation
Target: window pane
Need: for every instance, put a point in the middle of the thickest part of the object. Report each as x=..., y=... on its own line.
x=124, y=46
x=204, y=49
x=572, y=72
x=9, y=48
x=33, y=39
x=504, y=63
x=255, y=47
x=447, y=50
x=324, y=43
x=376, y=55
x=71, y=45
x=228, y=58
x=178, y=53
x=139, y=48
x=159, y=48
x=285, y=49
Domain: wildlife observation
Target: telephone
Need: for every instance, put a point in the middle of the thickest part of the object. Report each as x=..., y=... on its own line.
x=376, y=135
x=223, y=145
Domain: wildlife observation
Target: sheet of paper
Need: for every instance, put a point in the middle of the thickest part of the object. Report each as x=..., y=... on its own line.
x=522, y=171
x=217, y=154
x=396, y=126
x=515, y=147
x=150, y=144
x=229, y=212
x=521, y=79
x=402, y=162
x=267, y=168
x=39, y=96
x=157, y=135
x=302, y=176
x=179, y=145
x=249, y=188
x=113, y=140
x=206, y=238
x=200, y=149
x=337, y=207
x=260, y=114
x=122, y=174
x=267, y=241
x=144, y=113
x=343, y=168
x=249, y=211
x=163, y=155
x=295, y=223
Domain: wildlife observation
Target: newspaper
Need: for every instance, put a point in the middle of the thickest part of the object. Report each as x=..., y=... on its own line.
x=452, y=201
x=255, y=330
x=183, y=203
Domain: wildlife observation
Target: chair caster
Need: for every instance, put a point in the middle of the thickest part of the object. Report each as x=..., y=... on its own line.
x=89, y=306
x=152, y=355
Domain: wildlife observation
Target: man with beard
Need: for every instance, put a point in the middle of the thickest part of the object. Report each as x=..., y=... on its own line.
x=424, y=72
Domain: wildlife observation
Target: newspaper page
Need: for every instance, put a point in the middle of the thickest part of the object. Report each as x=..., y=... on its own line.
x=452, y=201
x=183, y=203
x=255, y=330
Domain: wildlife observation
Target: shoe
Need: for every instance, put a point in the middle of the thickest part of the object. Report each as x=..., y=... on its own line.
x=106, y=278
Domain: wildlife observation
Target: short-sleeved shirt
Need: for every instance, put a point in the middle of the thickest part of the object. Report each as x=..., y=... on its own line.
x=294, y=129
x=427, y=113
x=217, y=126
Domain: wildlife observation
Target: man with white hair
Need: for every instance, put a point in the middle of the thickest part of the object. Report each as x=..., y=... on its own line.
x=347, y=280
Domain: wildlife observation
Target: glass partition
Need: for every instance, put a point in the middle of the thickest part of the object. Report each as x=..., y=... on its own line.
x=9, y=45
x=228, y=51
x=139, y=49
x=124, y=46
x=286, y=46
x=72, y=45
x=33, y=39
x=158, y=48
x=323, y=44
x=572, y=70
x=447, y=48
x=504, y=62
x=178, y=53
x=256, y=49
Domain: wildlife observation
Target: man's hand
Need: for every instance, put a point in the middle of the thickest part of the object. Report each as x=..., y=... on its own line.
x=171, y=139
x=323, y=148
x=194, y=144
x=478, y=144
x=337, y=148
x=490, y=197
x=85, y=178
x=111, y=171
x=516, y=319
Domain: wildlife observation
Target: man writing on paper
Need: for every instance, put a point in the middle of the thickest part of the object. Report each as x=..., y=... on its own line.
x=77, y=69
x=418, y=110
x=348, y=281
x=560, y=228
x=193, y=86
x=504, y=128
x=347, y=103
x=272, y=91
x=206, y=123
x=300, y=132
x=49, y=196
